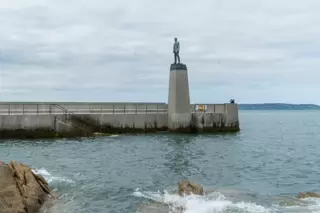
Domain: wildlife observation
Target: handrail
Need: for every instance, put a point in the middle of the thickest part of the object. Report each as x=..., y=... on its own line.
x=11, y=109
x=62, y=108
x=136, y=108
x=208, y=108
x=89, y=126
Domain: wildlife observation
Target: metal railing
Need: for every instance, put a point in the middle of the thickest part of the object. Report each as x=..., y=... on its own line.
x=209, y=108
x=44, y=109
x=21, y=109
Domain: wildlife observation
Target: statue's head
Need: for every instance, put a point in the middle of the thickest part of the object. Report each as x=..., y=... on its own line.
x=175, y=39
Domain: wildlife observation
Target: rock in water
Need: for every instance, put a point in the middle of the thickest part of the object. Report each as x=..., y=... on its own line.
x=187, y=187
x=308, y=194
x=21, y=191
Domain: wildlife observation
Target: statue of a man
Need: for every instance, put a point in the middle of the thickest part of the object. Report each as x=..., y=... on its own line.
x=176, y=49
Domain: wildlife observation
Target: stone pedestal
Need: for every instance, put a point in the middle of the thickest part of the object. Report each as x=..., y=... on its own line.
x=179, y=112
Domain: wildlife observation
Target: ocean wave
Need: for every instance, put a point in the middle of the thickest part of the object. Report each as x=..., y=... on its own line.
x=311, y=205
x=216, y=202
x=50, y=178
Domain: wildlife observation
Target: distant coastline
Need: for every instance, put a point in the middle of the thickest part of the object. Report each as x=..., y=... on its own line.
x=278, y=106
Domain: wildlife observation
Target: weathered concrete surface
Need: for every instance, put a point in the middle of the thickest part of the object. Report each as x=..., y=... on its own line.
x=40, y=126
x=179, y=112
x=50, y=126
x=21, y=191
x=232, y=116
x=128, y=123
x=26, y=121
x=214, y=122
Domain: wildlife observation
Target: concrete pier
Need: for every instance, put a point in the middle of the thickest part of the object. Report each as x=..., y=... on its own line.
x=40, y=120
x=179, y=112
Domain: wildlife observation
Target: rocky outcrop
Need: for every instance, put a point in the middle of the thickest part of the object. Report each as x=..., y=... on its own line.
x=21, y=190
x=302, y=195
x=187, y=187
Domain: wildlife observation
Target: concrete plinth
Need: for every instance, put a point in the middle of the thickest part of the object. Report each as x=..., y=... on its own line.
x=179, y=112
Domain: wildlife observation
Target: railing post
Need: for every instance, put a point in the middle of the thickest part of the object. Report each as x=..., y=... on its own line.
x=37, y=109
x=22, y=109
x=136, y=108
x=113, y=108
x=9, y=109
x=146, y=109
x=157, y=108
x=124, y=109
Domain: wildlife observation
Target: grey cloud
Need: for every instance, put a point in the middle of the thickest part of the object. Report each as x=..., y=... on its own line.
x=122, y=49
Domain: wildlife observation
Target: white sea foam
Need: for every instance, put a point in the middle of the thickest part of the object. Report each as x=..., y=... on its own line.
x=310, y=205
x=50, y=178
x=218, y=203
x=42, y=172
x=214, y=203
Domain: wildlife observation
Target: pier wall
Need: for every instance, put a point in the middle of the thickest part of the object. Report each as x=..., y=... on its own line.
x=19, y=120
x=22, y=126
x=126, y=123
x=36, y=126
x=215, y=117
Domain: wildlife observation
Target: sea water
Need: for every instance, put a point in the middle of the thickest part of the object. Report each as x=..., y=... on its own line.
x=260, y=169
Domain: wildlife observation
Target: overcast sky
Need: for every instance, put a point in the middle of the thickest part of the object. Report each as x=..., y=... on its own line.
x=79, y=50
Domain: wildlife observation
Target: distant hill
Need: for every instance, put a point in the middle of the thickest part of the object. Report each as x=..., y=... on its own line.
x=278, y=106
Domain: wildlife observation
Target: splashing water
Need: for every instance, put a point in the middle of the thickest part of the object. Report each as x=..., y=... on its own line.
x=66, y=202
x=216, y=202
x=212, y=203
x=50, y=178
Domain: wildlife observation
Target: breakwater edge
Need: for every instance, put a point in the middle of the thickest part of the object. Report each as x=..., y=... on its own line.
x=49, y=120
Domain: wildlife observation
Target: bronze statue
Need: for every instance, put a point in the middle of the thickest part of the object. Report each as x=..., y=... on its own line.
x=176, y=49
